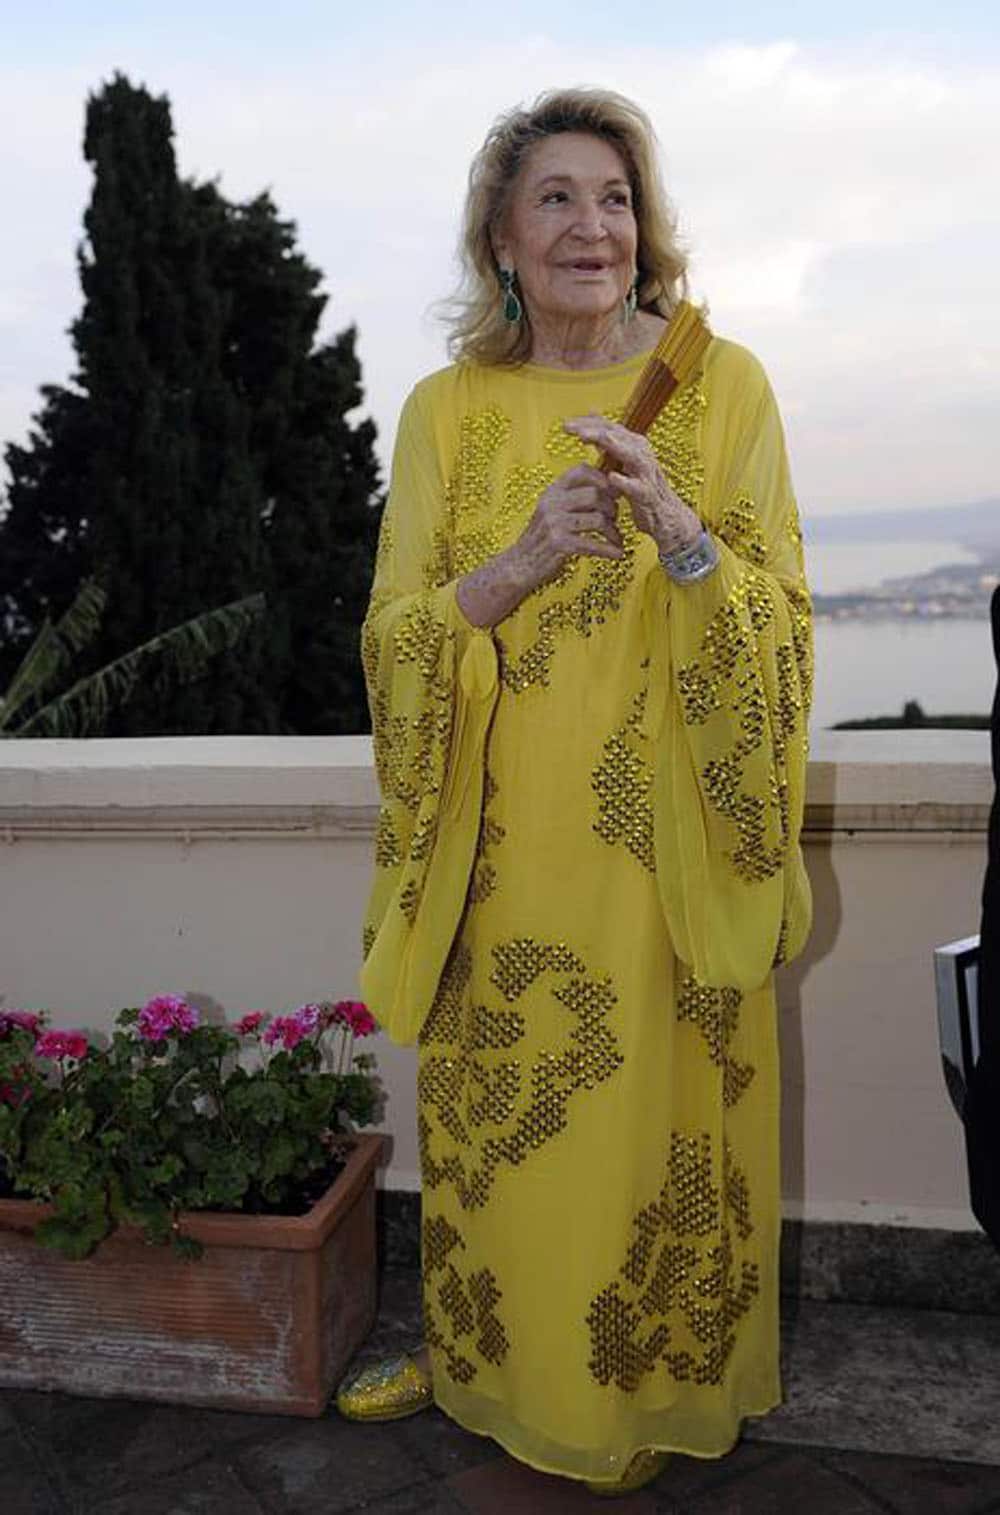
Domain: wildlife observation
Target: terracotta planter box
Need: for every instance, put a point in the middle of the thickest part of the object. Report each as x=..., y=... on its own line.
x=266, y=1320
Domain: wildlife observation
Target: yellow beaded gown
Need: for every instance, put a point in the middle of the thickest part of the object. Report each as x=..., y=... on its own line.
x=587, y=864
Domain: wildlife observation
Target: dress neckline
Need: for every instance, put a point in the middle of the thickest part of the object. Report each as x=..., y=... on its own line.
x=582, y=375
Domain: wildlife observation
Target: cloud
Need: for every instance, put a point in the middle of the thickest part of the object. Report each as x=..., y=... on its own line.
x=840, y=206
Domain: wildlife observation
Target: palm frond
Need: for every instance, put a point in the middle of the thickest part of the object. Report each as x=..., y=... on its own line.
x=52, y=651
x=182, y=652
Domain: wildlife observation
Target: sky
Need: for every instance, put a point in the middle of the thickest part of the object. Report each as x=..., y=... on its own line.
x=836, y=171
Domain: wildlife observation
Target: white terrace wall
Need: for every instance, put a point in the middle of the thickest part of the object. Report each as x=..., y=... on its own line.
x=235, y=871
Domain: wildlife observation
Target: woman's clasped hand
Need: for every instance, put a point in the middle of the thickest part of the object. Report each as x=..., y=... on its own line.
x=656, y=508
x=578, y=513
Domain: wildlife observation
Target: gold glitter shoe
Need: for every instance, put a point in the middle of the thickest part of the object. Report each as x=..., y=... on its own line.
x=388, y=1390
x=644, y=1467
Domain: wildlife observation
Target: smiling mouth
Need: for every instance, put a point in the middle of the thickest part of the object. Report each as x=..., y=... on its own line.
x=587, y=266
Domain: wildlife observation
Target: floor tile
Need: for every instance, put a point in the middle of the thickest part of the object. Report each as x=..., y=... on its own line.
x=687, y=1478
x=917, y=1486
x=24, y=1487
x=109, y=1445
x=506, y=1487
x=782, y=1486
x=442, y=1447
x=428, y=1499
x=207, y=1489
x=915, y=1383
x=328, y=1466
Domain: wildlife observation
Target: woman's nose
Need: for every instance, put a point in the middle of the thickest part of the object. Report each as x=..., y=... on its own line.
x=590, y=220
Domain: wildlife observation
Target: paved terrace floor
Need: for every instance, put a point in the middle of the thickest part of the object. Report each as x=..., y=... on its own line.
x=895, y=1411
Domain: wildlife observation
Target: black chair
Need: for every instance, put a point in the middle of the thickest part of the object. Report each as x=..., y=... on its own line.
x=968, y=995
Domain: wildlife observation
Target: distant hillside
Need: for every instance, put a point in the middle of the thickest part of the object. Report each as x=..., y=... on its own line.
x=972, y=526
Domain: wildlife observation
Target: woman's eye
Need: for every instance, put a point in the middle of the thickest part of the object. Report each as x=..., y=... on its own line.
x=619, y=197
x=554, y=196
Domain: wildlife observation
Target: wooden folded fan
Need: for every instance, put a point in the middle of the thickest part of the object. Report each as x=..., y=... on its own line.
x=673, y=361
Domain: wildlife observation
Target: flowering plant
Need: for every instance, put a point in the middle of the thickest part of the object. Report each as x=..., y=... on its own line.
x=175, y=1114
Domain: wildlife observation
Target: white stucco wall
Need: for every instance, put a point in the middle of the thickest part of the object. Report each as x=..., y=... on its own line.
x=234, y=871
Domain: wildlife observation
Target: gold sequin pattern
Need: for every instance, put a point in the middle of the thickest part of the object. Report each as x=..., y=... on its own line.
x=680, y=1292
x=409, y=900
x=482, y=1107
x=728, y=674
x=470, y=497
x=674, y=439
x=740, y=529
x=460, y=1314
x=385, y=1390
x=437, y=570
x=388, y=853
x=596, y=586
x=623, y=784
x=716, y=1013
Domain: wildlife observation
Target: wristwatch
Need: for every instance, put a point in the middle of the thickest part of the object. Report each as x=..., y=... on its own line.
x=689, y=564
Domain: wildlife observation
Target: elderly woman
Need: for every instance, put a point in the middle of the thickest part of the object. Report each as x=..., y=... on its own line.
x=589, y=693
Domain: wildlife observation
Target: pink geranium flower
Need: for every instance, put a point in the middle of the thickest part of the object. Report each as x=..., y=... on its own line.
x=308, y=1017
x=289, y=1030
x=19, y=1020
x=250, y=1022
x=285, y=1029
x=59, y=1044
x=354, y=1014
x=165, y=1013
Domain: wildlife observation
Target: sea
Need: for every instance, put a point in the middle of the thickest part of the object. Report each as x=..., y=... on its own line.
x=870, y=668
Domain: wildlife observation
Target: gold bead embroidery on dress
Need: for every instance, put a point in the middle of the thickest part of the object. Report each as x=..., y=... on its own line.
x=388, y=853
x=716, y=1013
x=679, y=1293
x=480, y=1109
x=456, y=1308
x=488, y=515
x=623, y=783
x=409, y=900
x=437, y=570
x=728, y=674
x=674, y=438
x=469, y=496
x=740, y=529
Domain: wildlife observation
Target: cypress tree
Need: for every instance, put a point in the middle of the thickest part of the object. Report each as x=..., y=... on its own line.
x=177, y=528
x=44, y=536
x=205, y=452
x=317, y=471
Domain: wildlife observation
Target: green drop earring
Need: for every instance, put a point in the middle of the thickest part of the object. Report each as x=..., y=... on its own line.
x=631, y=302
x=513, y=310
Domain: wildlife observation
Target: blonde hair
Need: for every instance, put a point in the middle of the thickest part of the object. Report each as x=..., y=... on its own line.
x=478, y=331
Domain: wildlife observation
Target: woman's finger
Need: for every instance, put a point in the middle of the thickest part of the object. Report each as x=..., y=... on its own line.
x=640, y=491
x=581, y=474
x=595, y=520
x=602, y=499
x=623, y=445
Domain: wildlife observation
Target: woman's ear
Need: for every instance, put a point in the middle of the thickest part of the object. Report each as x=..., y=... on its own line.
x=501, y=248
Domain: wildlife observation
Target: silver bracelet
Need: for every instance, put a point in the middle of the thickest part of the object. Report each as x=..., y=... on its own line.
x=689, y=564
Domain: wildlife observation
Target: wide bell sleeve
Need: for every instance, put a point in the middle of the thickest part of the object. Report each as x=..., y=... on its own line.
x=432, y=685
x=731, y=663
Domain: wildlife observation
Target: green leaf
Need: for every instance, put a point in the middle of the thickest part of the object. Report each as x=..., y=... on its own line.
x=183, y=652
x=52, y=650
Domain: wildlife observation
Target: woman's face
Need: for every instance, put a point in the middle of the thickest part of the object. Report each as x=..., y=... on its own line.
x=569, y=231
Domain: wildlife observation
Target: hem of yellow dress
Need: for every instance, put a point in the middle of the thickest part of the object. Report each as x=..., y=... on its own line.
x=656, y=1446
